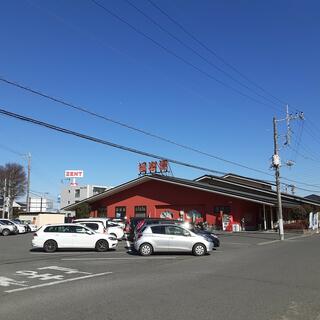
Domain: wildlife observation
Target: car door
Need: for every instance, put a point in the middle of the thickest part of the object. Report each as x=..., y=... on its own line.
x=159, y=238
x=82, y=237
x=179, y=239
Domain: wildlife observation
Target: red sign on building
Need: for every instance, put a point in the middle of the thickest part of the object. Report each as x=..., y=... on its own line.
x=163, y=165
x=153, y=166
x=143, y=168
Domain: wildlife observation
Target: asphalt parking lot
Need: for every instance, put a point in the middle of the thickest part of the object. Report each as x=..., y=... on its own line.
x=251, y=276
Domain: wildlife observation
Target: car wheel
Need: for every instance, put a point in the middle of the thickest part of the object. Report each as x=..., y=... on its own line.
x=5, y=232
x=102, y=245
x=145, y=249
x=50, y=246
x=199, y=249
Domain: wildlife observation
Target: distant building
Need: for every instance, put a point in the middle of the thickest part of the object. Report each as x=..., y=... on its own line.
x=40, y=204
x=74, y=194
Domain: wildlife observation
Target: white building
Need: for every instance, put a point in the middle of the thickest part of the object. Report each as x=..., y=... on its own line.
x=74, y=194
x=39, y=204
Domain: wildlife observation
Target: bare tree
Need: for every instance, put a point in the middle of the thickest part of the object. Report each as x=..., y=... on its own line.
x=16, y=181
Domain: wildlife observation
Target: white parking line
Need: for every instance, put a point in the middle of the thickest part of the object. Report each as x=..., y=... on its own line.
x=238, y=243
x=301, y=236
x=267, y=242
x=138, y=258
x=72, y=253
x=58, y=282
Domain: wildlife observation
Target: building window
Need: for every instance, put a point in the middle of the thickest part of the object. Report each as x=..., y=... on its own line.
x=77, y=193
x=224, y=209
x=140, y=211
x=97, y=190
x=166, y=214
x=193, y=215
x=120, y=212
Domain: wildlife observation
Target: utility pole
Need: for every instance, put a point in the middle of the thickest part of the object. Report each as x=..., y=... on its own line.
x=28, y=182
x=276, y=164
x=4, y=198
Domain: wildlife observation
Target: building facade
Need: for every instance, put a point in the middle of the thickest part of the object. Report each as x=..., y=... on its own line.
x=75, y=194
x=215, y=200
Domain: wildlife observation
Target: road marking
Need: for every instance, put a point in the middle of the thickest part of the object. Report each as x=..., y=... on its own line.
x=139, y=258
x=302, y=236
x=267, y=242
x=238, y=243
x=72, y=253
x=58, y=282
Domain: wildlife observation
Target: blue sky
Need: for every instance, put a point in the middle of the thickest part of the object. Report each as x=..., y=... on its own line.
x=76, y=51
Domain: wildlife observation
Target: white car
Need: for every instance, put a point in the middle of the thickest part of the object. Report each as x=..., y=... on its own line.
x=110, y=227
x=21, y=228
x=71, y=235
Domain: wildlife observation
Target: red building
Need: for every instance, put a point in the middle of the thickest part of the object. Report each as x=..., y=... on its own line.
x=208, y=198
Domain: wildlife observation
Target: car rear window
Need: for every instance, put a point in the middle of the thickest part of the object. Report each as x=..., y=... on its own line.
x=93, y=226
x=158, y=229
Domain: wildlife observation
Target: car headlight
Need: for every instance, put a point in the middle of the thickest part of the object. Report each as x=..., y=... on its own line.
x=213, y=235
x=112, y=238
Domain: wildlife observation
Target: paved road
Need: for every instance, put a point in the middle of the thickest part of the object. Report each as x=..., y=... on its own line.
x=252, y=276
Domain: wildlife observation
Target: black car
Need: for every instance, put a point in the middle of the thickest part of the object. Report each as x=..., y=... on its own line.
x=207, y=234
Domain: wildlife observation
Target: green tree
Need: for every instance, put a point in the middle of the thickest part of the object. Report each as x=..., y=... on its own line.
x=83, y=211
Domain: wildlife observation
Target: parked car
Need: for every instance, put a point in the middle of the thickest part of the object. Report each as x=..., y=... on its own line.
x=110, y=227
x=120, y=222
x=21, y=228
x=29, y=226
x=213, y=237
x=6, y=229
x=136, y=224
x=96, y=226
x=171, y=238
x=71, y=235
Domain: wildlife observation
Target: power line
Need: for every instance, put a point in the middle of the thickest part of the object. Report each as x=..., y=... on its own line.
x=197, y=53
x=94, y=114
x=104, y=142
x=118, y=146
x=179, y=57
x=214, y=52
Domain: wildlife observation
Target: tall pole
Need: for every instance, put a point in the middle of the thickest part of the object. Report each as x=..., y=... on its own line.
x=4, y=198
x=28, y=182
x=276, y=165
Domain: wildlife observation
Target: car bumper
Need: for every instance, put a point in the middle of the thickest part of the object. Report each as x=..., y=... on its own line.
x=113, y=244
x=36, y=243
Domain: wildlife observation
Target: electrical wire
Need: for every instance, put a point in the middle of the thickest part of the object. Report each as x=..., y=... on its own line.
x=118, y=146
x=213, y=52
x=169, y=51
x=197, y=53
x=94, y=114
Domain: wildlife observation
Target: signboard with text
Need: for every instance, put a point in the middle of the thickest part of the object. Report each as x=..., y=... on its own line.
x=73, y=173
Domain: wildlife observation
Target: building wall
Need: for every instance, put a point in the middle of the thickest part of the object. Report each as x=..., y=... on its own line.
x=73, y=194
x=43, y=218
x=160, y=196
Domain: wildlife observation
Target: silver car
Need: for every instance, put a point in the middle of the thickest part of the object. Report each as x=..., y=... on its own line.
x=7, y=228
x=170, y=238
